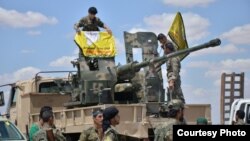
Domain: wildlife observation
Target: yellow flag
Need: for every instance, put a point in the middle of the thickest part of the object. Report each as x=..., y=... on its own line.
x=178, y=35
x=96, y=44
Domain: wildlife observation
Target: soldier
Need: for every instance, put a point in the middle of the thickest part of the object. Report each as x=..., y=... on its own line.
x=111, y=118
x=173, y=70
x=47, y=132
x=239, y=119
x=164, y=132
x=94, y=133
x=36, y=126
x=91, y=22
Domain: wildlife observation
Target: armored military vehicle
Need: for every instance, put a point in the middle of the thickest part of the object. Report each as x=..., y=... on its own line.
x=99, y=83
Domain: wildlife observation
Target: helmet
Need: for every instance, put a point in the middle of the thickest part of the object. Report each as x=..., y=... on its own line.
x=92, y=10
x=176, y=104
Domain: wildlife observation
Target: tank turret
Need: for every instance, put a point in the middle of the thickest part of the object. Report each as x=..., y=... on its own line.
x=124, y=83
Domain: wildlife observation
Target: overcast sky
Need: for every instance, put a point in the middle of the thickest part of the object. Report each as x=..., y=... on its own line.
x=38, y=35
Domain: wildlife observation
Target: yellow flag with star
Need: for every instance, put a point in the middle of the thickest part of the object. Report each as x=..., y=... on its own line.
x=178, y=35
x=96, y=44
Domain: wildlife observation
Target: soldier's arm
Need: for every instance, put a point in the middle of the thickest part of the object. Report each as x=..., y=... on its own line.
x=79, y=24
x=59, y=136
x=174, y=72
x=108, y=29
x=110, y=136
x=175, y=69
x=83, y=136
x=102, y=25
x=169, y=135
x=107, y=138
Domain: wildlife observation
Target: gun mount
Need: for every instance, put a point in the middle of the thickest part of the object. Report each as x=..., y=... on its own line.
x=125, y=83
x=128, y=71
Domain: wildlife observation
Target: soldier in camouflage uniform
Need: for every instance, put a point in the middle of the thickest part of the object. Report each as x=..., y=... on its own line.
x=94, y=133
x=164, y=132
x=111, y=118
x=240, y=114
x=47, y=132
x=35, y=127
x=173, y=70
x=91, y=22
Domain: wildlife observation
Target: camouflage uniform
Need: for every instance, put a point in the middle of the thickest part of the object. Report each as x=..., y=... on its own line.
x=164, y=132
x=89, y=25
x=41, y=135
x=90, y=134
x=240, y=122
x=173, y=73
x=111, y=135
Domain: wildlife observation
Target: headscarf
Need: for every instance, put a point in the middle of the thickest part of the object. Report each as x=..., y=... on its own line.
x=108, y=114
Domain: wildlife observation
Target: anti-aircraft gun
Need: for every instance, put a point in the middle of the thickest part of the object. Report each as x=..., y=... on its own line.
x=99, y=81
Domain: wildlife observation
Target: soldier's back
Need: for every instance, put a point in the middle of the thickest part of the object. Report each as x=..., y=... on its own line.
x=41, y=135
x=111, y=135
x=89, y=135
x=164, y=132
x=58, y=135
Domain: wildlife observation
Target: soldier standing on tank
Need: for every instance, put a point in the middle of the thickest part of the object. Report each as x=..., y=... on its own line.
x=164, y=132
x=94, y=133
x=111, y=118
x=173, y=70
x=91, y=22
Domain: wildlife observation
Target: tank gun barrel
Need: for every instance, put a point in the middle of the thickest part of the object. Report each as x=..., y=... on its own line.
x=128, y=71
x=211, y=43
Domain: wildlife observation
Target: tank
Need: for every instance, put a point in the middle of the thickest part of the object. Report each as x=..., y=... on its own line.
x=99, y=81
